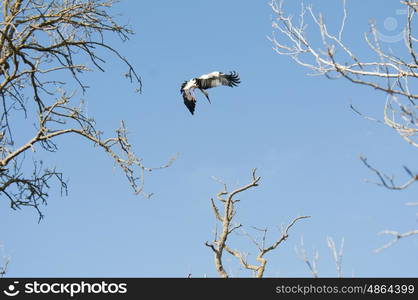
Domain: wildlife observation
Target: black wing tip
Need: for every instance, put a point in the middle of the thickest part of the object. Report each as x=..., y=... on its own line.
x=190, y=107
x=190, y=103
x=233, y=78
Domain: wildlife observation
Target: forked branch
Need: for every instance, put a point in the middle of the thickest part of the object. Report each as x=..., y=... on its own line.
x=220, y=245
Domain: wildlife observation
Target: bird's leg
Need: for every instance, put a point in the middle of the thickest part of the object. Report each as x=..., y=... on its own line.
x=206, y=94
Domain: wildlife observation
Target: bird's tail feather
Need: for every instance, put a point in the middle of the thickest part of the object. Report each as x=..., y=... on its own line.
x=233, y=78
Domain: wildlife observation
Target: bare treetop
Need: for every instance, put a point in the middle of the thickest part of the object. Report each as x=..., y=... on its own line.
x=328, y=54
x=390, y=67
x=227, y=219
x=41, y=37
x=44, y=45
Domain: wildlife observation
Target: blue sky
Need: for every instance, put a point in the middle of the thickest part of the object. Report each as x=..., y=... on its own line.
x=297, y=130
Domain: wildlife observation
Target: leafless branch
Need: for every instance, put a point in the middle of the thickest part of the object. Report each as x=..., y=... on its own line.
x=40, y=42
x=393, y=73
x=3, y=269
x=330, y=56
x=6, y=261
x=336, y=254
x=219, y=245
x=312, y=264
x=397, y=236
x=388, y=181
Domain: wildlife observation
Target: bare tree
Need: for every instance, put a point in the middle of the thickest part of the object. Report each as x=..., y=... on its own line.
x=45, y=47
x=393, y=74
x=228, y=225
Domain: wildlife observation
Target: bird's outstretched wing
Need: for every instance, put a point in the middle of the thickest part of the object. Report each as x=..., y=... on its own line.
x=209, y=81
x=189, y=100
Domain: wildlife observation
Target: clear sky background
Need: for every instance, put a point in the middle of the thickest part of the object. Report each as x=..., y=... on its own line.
x=297, y=130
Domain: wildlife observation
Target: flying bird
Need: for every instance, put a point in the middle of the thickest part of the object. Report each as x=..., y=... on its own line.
x=205, y=82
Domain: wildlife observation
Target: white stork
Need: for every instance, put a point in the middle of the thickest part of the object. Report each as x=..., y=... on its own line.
x=204, y=82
